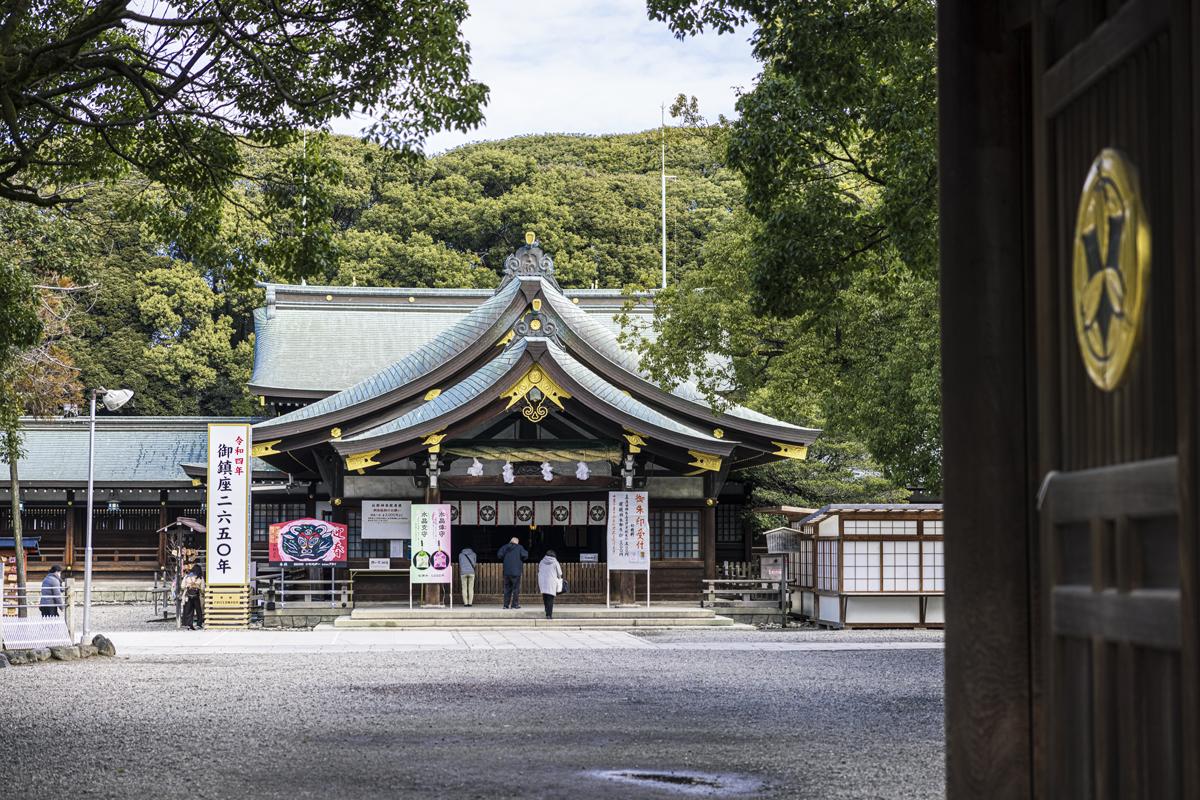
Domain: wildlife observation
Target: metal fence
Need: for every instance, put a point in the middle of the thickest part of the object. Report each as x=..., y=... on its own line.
x=26, y=623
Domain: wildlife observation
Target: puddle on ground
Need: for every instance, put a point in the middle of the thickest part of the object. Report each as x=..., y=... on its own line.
x=697, y=784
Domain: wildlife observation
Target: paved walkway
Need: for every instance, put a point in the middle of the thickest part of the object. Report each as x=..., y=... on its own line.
x=352, y=641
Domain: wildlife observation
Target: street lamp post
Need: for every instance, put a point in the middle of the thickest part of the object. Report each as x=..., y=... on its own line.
x=112, y=399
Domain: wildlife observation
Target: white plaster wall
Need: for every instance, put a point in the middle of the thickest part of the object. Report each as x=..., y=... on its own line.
x=828, y=527
x=883, y=611
x=935, y=611
x=829, y=609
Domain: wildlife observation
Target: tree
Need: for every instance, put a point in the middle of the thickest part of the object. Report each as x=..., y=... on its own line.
x=42, y=380
x=91, y=90
x=836, y=147
x=836, y=141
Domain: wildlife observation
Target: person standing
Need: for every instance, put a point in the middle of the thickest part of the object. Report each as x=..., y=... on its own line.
x=550, y=581
x=52, y=592
x=514, y=557
x=193, y=607
x=466, y=572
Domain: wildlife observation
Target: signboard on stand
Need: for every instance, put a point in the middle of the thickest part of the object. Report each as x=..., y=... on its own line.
x=227, y=553
x=629, y=535
x=308, y=542
x=431, y=544
x=386, y=519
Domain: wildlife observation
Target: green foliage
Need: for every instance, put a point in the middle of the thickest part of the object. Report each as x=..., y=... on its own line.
x=831, y=292
x=93, y=90
x=836, y=471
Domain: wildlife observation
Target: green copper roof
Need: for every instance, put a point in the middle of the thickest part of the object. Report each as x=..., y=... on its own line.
x=482, y=381
x=130, y=451
x=444, y=345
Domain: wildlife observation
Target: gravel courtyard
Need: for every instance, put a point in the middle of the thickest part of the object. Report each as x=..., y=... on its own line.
x=477, y=724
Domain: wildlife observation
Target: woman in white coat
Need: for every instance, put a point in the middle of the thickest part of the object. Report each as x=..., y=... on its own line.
x=550, y=581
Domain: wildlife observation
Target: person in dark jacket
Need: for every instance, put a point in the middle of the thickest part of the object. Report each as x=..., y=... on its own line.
x=52, y=592
x=514, y=556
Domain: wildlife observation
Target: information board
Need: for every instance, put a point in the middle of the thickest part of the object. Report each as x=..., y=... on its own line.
x=628, y=531
x=227, y=559
x=431, y=544
x=387, y=519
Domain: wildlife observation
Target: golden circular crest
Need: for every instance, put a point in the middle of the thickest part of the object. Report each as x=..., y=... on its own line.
x=1110, y=269
x=535, y=376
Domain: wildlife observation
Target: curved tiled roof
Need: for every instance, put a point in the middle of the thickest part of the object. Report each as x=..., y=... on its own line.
x=604, y=391
x=444, y=346
x=605, y=343
x=482, y=380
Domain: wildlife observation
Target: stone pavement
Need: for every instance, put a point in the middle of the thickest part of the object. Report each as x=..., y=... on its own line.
x=352, y=641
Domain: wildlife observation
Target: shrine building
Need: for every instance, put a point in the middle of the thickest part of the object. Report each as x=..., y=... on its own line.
x=520, y=407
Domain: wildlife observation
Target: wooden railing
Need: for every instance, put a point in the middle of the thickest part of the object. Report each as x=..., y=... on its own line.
x=583, y=579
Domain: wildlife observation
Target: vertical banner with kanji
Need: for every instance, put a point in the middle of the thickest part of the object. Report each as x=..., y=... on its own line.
x=431, y=543
x=228, y=537
x=628, y=531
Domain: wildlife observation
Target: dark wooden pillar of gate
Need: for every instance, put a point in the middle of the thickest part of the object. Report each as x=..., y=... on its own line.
x=986, y=425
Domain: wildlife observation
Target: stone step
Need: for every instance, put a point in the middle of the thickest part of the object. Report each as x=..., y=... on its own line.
x=531, y=611
x=591, y=623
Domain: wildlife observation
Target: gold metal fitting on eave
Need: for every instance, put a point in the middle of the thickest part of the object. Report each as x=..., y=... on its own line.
x=432, y=394
x=336, y=433
x=265, y=448
x=796, y=451
x=357, y=461
x=705, y=461
x=636, y=442
x=1110, y=268
x=530, y=238
x=434, y=442
x=506, y=338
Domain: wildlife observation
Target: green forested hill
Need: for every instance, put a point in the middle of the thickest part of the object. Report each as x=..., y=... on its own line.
x=171, y=313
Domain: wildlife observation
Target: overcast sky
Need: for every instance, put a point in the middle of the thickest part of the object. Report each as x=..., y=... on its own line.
x=588, y=66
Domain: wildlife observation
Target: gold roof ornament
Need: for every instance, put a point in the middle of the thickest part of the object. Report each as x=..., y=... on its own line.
x=529, y=237
x=432, y=394
x=434, y=442
x=1110, y=268
x=535, y=387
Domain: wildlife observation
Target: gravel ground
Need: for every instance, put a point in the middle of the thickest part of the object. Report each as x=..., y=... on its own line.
x=508, y=723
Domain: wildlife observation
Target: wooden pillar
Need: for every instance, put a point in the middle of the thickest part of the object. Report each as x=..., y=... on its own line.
x=708, y=537
x=984, y=120
x=69, y=540
x=310, y=500
x=163, y=521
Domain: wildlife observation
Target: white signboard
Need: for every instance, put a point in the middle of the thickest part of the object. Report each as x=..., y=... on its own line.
x=379, y=563
x=431, y=544
x=628, y=531
x=386, y=519
x=589, y=558
x=227, y=559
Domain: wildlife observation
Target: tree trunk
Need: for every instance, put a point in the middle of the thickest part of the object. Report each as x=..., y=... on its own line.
x=15, y=487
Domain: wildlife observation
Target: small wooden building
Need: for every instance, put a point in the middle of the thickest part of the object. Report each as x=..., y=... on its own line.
x=868, y=565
